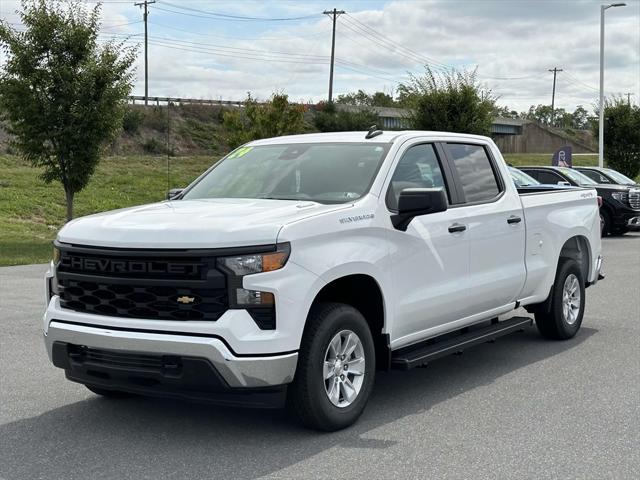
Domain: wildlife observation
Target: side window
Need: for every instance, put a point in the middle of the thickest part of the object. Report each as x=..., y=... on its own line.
x=549, y=178
x=418, y=168
x=595, y=176
x=477, y=177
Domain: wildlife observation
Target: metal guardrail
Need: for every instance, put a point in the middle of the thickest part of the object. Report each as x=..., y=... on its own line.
x=182, y=101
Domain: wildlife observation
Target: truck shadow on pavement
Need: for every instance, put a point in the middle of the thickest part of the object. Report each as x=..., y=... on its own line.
x=151, y=438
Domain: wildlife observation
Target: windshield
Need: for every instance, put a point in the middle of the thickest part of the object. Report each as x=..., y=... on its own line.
x=521, y=179
x=580, y=178
x=619, y=178
x=320, y=172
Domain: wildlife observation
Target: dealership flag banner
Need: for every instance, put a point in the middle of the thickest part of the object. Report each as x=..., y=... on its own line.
x=562, y=157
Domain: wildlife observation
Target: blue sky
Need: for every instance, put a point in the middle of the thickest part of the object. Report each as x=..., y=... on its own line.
x=198, y=48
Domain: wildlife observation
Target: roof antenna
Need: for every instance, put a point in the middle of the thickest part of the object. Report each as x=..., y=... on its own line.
x=373, y=132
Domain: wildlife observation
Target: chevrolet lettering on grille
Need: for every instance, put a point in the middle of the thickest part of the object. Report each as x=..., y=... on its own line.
x=106, y=265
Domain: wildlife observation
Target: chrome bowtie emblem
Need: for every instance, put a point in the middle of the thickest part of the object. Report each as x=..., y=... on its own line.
x=185, y=300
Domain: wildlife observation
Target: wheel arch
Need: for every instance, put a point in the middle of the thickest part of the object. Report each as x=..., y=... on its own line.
x=363, y=292
x=577, y=248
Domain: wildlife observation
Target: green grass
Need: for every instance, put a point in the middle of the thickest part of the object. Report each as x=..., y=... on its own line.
x=31, y=212
x=524, y=159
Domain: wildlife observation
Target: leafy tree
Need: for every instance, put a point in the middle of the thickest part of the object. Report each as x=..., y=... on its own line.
x=329, y=118
x=451, y=101
x=540, y=114
x=580, y=118
x=621, y=137
x=271, y=119
x=363, y=99
x=505, y=112
x=62, y=95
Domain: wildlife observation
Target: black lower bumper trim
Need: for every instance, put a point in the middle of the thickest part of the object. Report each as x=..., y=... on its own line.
x=168, y=376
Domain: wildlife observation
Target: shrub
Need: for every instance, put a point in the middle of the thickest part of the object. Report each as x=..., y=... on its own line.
x=132, y=121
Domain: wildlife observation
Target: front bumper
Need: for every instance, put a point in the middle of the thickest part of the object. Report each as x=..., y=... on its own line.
x=634, y=223
x=236, y=371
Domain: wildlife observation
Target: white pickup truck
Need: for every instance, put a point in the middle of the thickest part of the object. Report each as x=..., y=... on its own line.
x=297, y=266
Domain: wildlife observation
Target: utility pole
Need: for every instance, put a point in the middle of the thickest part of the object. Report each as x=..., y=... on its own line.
x=553, y=95
x=601, y=103
x=145, y=4
x=628, y=94
x=333, y=13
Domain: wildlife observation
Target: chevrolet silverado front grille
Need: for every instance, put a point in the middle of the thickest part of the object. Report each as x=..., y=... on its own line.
x=143, y=284
x=140, y=301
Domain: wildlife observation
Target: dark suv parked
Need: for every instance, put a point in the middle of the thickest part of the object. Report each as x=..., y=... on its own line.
x=620, y=203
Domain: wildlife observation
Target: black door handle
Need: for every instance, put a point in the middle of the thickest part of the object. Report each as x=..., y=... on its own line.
x=456, y=227
x=513, y=219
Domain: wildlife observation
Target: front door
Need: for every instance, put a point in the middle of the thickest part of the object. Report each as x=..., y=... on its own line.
x=430, y=260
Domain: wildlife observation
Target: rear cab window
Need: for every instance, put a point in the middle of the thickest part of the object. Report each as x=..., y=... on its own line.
x=477, y=173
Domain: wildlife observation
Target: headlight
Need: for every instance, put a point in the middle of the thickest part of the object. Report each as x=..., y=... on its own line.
x=620, y=196
x=257, y=263
x=53, y=281
x=254, y=301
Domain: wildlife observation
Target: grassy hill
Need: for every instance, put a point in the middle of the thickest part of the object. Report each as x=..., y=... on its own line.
x=31, y=212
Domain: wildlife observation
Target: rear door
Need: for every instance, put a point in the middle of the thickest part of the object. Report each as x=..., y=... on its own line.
x=430, y=260
x=496, y=227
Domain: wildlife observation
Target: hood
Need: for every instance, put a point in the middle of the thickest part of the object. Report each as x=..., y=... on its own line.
x=209, y=223
x=610, y=187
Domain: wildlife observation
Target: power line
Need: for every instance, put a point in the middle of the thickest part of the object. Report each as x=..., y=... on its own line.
x=373, y=33
x=571, y=76
x=268, y=55
x=223, y=16
x=103, y=27
x=237, y=38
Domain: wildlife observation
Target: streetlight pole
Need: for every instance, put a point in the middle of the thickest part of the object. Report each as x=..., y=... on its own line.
x=601, y=103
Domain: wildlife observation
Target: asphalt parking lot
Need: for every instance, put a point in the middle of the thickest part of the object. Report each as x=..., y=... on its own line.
x=520, y=408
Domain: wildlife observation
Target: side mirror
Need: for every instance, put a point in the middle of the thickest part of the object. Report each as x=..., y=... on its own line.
x=564, y=184
x=414, y=202
x=174, y=193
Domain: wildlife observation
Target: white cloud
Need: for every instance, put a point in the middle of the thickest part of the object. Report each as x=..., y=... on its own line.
x=503, y=38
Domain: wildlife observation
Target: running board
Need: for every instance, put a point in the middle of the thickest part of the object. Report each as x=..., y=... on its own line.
x=422, y=353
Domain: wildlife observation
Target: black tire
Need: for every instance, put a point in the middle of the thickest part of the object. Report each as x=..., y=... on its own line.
x=550, y=318
x=109, y=393
x=307, y=399
x=619, y=231
x=607, y=223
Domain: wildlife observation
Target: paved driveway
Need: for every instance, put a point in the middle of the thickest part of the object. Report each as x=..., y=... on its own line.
x=521, y=408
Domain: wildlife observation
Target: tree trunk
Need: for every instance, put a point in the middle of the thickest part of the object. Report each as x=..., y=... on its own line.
x=69, y=195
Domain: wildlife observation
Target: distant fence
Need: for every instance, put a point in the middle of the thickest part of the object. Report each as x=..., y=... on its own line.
x=134, y=99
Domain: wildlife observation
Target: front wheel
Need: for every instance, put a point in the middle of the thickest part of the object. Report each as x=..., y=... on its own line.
x=563, y=316
x=336, y=368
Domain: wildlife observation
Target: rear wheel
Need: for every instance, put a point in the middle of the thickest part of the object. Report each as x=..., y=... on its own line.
x=109, y=393
x=562, y=317
x=336, y=368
